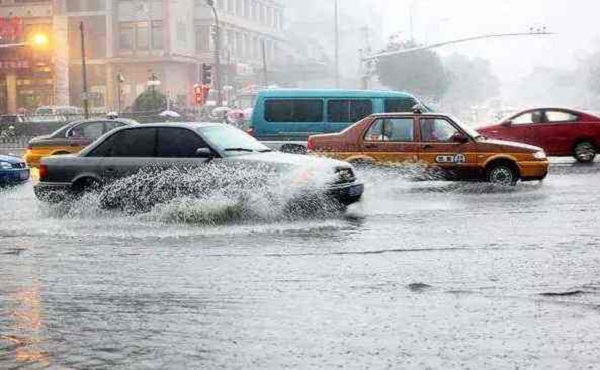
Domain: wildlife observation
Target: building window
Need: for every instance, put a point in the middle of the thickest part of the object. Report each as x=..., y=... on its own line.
x=263, y=13
x=126, y=36
x=239, y=49
x=254, y=10
x=202, y=38
x=181, y=34
x=246, y=8
x=141, y=36
x=230, y=6
x=245, y=48
x=231, y=43
x=254, y=49
x=157, y=35
x=81, y=5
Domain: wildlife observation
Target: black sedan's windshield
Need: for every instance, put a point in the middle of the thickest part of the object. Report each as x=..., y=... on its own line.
x=232, y=141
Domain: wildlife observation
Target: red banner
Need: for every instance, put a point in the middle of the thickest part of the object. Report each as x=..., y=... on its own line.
x=11, y=29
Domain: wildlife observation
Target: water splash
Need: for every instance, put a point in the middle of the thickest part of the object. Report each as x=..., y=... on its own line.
x=216, y=193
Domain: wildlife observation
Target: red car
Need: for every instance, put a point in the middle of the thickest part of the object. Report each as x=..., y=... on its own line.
x=560, y=132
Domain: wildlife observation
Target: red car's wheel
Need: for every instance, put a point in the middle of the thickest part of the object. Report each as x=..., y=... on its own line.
x=585, y=152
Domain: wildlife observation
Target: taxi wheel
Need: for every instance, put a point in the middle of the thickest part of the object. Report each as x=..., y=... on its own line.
x=502, y=174
x=585, y=152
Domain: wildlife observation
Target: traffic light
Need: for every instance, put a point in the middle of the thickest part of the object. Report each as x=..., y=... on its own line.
x=201, y=94
x=198, y=95
x=206, y=74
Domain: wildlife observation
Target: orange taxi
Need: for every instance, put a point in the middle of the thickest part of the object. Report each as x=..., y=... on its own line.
x=436, y=140
x=70, y=138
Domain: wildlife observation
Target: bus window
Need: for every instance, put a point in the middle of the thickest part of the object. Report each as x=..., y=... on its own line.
x=346, y=111
x=399, y=105
x=301, y=110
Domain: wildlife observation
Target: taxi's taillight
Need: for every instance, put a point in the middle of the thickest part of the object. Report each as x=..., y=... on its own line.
x=43, y=172
x=310, y=145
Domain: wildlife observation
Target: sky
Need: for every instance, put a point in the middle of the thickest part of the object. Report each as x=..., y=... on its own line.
x=574, y=21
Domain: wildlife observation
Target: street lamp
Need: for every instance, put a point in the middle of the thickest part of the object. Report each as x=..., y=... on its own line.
x=84, y=95
x=367, y=60
x=336, y=15
x=39, y=40
x=217, y=39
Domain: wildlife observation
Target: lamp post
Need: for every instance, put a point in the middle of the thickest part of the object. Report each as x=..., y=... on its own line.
x=367, y=60
x=217, y=40
x=120, y=80
x=84, y=94
x=336, y=15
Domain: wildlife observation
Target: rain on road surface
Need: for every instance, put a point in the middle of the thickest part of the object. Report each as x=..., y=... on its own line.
x=420, y=274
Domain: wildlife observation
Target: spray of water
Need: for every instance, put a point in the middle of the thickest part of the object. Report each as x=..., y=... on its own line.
x=216, y=193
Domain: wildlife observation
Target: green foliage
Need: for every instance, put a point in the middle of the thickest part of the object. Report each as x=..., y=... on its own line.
x=591, y=69
x=420, y=72
x=150, y=101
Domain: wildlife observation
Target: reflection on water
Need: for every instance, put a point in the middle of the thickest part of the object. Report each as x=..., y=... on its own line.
x=448, y=275
x=25, y=329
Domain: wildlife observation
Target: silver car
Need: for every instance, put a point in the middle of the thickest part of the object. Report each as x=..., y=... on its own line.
x=126, y=151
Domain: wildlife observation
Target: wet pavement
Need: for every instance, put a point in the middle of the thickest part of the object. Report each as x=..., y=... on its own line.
x=421, y=274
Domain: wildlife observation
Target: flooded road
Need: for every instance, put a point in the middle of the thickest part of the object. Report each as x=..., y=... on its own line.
x=420, y=274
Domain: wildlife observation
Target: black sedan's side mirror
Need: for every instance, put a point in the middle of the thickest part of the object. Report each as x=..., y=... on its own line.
x=204, y=153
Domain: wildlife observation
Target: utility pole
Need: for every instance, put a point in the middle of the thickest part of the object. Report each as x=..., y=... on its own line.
x=84, y=95
x=411, y=15
x=264, y=63
x=217, y=39
x=337, y=42
x=120, y=80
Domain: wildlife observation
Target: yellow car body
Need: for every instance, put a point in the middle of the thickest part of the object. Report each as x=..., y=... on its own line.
x=70, y=139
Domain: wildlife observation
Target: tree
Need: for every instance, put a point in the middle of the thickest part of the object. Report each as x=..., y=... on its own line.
x=420, y=72
x=471, y=80
x=150, y=101
x=591, y=70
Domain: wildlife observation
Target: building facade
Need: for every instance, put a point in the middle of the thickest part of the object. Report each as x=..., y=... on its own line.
x=128, y=43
